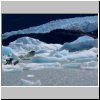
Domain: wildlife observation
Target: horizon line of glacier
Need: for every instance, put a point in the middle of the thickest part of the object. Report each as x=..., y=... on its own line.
x=86, y=24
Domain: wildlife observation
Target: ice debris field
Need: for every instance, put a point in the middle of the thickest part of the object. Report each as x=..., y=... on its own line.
x=51, y=55
x=79, y=54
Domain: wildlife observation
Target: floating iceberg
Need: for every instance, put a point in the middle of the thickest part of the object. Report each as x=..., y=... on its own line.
x=83, y=54
x=82, y=43
x=90, y=65
x=72, y=65
x=40, y=59
x=61, y=53
x=8, y=51
x=25, y=44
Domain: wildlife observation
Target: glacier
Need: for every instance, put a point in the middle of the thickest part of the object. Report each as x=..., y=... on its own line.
x=85, y=24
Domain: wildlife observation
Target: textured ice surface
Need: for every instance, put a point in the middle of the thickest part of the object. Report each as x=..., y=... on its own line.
x=86, y=24
x=8, y=51
x=48, y=55
x=30, y=66
x=90, y=65
x=82, y=59
x=82, y=43
x=72, y=65
x=49, y=59
x=73, y=69
x=26, y=44
x=53, y=64
x=83, y=54
x=61, y=53
x=8, y=68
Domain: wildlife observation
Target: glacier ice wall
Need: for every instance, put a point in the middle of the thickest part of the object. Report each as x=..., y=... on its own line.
x=85, y=24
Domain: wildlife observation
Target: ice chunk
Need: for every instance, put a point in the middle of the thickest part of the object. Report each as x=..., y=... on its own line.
x=38, y=66
x=72, y=65
x=29, y=75
x=26, y=44
x=90, y=65
x=11, y=68
x=61, y=53
x=82, y=43
x=8, y=51
x=40, y=59
x=83, y=54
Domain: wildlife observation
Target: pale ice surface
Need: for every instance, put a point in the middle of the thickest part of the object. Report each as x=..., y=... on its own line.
x=30, y=66
x=85, y=24
x=30, y=75
x=30, y=83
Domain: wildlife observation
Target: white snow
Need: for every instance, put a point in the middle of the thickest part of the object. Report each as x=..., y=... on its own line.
x=86, y=24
